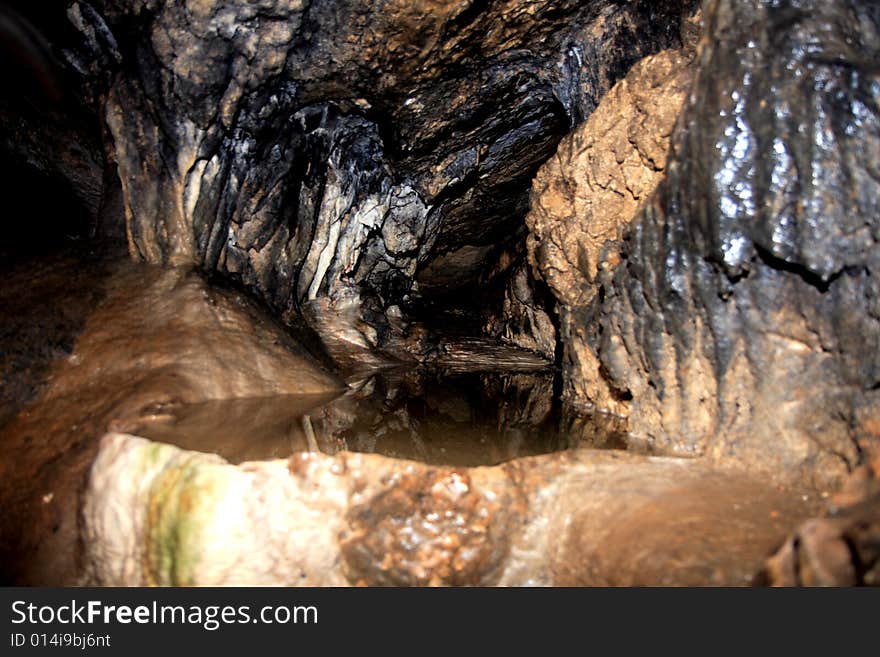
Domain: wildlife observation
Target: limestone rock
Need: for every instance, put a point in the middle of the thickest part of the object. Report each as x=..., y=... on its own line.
x=743, y=319
x=602, y=174
x=324, y=153
x=585, y=197
x=356, y=519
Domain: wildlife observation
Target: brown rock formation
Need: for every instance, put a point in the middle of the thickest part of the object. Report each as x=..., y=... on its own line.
x=840, y=549
x=160, y=338
x=568, y=518
x=738, y=319
x=585, y=197
x=602, y=174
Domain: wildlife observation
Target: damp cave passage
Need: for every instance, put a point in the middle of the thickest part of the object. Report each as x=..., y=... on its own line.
x=465, y=393
x=482, y=274
x=471, y=399
x=478, y=383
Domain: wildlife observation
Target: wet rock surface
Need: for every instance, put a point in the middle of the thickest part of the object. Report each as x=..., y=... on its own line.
x=324, y=153
x=585, y=197
x=427, y=529
x=125, y=510
x=525, y=315
x=461, y=419
x=840, y=549
x=565, y=518
x=697, y=257
x=602, y=174
x=741, y=323
x=36, y=329
x=158, y=338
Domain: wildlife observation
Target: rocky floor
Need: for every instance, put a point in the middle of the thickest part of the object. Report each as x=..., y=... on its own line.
x=166, y=356
x=158, y=515
x=430, y=249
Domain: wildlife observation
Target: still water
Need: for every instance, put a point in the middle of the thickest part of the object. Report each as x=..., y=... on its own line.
x=433, y=416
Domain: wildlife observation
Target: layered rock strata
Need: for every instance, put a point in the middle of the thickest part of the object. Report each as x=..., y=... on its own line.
x=324, y=153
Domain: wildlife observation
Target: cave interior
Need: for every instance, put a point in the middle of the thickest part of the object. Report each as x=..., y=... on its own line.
x=444, y=292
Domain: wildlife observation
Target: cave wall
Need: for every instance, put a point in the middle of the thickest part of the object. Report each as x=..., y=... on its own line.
x=700, y=249
x=717, y=286
x=52, y=160
x=323, y=154
x=587, y=195
x=741, y=322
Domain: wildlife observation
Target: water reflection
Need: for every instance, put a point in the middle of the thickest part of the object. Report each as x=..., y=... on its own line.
x=448, y=418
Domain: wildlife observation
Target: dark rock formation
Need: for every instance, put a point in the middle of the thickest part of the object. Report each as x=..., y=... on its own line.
x=518, y=308
x=323, y=153
x=52, y=164
x=742, y=322
x=840, y=549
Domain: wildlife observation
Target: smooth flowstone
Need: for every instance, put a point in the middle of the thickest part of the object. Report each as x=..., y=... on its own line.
x=158, y=515
x=157, y=339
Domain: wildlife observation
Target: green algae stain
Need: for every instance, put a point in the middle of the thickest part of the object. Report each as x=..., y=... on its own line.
x=182, y=502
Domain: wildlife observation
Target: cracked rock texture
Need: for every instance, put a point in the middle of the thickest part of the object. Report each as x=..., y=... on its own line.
x=742, y=321
x=601, y=176
x=586, y=195
x=323, y=153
